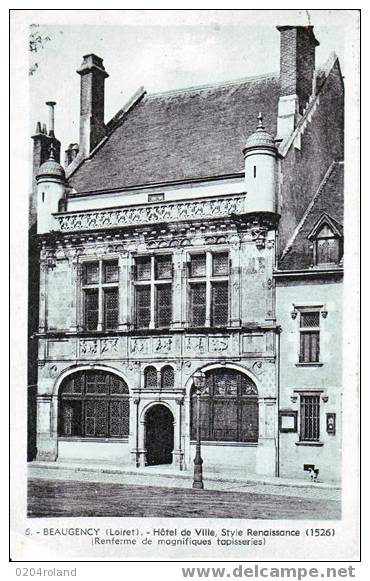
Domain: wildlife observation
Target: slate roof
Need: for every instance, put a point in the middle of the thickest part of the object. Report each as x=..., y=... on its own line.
x=329, y=200
x=186, y=134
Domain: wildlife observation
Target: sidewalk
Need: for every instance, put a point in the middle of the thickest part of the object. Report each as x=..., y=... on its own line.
x=169, y=476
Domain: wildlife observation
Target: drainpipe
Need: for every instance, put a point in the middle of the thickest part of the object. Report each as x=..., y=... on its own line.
x=180, y=402
x=278, y=404
x=278, y=363
x=137, y=402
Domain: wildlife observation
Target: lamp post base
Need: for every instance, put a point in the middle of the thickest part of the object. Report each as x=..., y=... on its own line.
x=198, y=485
x=198, y=469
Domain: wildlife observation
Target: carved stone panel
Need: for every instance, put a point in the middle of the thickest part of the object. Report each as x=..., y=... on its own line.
x=162, y=345
x=195, y=344
x=105, y=347
x=140, y=346
x=254, y=343
x=219, y=344
x=61, y=348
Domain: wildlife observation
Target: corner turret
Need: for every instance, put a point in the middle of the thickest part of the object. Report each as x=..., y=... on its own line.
x=50, y=191
x=260, y=154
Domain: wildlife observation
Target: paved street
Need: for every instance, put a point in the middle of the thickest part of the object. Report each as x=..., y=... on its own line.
x=56, y=497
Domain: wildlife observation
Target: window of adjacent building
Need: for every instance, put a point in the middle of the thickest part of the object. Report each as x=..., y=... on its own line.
x=228, y=408
x=153, y=291
x=327, y=247
x=93, y=404
x=208, y=274
x=100, y=295
x=310, y=418
x=309, y=351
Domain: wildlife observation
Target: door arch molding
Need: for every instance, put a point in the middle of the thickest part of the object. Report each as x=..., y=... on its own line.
x=75, y=369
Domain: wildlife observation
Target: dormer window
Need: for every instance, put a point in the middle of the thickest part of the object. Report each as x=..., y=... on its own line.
x=327, y=242
x=327, y=247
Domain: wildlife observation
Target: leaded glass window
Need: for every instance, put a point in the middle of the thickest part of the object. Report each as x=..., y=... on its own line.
x=91, y=310
x=164, y=305
x=163, y=267
x=100, y=295
x=153, y=291
x=111, y=308
x=197, y=265
x=228, y=408
x=198, y=305
x=93, y=404
x=220, y=303
x=209, y=289
x=167, y=377
x=110, y=271
x=91, y=273
x=142, y=306
x=220, y=264
x=143, y=268
x=150, y=377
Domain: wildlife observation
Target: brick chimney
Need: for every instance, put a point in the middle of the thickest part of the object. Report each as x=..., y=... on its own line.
x=297, y=75
x=92, y=128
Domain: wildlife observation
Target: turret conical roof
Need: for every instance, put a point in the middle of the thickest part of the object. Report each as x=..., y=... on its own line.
x=260, y=138
x=51, y=168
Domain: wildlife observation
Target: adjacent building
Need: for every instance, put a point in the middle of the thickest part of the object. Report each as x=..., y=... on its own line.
x=197, y=230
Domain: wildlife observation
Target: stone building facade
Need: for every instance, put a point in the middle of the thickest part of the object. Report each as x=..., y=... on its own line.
x=166, y=248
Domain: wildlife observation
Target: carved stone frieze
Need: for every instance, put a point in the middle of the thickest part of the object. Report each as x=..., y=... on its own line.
x=99, y=347
x=162, y=345
x=138, y=345
x=132, y=216
x=88, y=346
x=109, y=345
x=218, y=344
x=195, y=344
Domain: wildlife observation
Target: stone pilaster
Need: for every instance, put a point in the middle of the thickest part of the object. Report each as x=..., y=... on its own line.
x=235, y=290
x=47, y=441
x=266, y=449
x=125, y=292
x=178, y=290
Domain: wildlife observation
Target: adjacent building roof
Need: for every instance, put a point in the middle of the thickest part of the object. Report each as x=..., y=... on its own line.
x=187, y=134
x=328, y=200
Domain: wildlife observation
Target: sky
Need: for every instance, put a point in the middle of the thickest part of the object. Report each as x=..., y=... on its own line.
x=162, y=50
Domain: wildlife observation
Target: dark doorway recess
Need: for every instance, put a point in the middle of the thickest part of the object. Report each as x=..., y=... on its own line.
x=158, y=435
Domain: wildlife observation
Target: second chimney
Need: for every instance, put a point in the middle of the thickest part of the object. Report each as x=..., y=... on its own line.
x=92, y=128
x=297, y=73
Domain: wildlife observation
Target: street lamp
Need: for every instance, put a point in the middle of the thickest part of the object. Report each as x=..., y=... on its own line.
x=199, y=384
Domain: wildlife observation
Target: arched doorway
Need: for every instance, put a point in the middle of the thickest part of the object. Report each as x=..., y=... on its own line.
x=158, y=435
